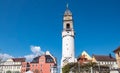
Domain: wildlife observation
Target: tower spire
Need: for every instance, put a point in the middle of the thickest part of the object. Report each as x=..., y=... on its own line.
x=67, y=11
x=67, y=5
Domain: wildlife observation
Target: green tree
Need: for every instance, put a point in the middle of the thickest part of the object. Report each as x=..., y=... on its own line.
x=17, y=72
x=67, y=68
x=8, y=71
x=76, y=67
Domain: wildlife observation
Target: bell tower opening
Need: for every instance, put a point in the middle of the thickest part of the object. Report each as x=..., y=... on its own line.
x=68, y=26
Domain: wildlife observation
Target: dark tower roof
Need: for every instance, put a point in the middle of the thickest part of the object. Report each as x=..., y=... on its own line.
x=67, y=12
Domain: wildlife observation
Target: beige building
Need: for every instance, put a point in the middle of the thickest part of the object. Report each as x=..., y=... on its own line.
x=117, y=54
x=12, y=65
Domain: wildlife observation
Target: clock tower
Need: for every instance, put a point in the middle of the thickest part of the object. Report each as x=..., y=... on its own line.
x=67, y=39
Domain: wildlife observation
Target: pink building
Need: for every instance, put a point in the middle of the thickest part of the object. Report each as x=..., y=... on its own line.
x=25, y=67
x=43, y=64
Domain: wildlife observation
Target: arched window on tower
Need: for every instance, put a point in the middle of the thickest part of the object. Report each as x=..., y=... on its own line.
x=68, y=26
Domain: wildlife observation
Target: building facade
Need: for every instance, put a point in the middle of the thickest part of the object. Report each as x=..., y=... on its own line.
x=117, y=54
x=67, y=39
x=84, y=58
x=25, y=67
x=44, y=64
x=103, y=60
x=12, y=65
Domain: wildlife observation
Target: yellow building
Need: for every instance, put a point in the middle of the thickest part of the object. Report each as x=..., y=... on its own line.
x=117, y=54
x=84, y=58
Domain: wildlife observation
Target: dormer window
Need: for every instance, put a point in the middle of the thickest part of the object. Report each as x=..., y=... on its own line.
x=49, y=60
x=68, y=26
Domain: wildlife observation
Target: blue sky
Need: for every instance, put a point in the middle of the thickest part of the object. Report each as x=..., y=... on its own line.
x=25, y=23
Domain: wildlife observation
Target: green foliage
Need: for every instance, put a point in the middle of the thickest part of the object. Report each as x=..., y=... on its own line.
x=75, y=67
x=67, y=67
x=8, y=71
x=17, y=72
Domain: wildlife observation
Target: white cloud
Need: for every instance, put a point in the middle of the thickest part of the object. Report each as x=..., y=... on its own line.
x=36, y=51
x=29, y=57
x=5, y=56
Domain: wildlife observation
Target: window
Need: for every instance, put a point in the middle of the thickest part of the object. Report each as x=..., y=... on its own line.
x=66, y=44
x=41, y=65
x=119, y=53
x=41, y=60
x=18, y=67
x=50, y=65
x=68, y=26
x=49, y=60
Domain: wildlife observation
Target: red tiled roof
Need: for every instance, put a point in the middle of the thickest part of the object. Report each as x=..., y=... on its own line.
x=104, y=58
x=81, y=57
x=116, y=49
x=18, y=59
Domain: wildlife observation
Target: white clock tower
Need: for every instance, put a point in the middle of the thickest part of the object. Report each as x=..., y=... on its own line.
x=67, y=39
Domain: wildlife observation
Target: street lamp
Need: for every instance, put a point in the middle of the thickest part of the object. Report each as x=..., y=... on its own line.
x=99, y=67
x=78, y=67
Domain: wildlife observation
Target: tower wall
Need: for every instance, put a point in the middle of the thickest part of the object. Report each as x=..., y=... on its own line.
x=68, y=46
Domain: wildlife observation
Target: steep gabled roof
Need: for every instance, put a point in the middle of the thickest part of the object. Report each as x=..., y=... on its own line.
x=84, y=54
x=104, y=58
x=118, y=49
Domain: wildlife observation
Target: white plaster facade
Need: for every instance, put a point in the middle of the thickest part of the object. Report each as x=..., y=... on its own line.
x=10, y=65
